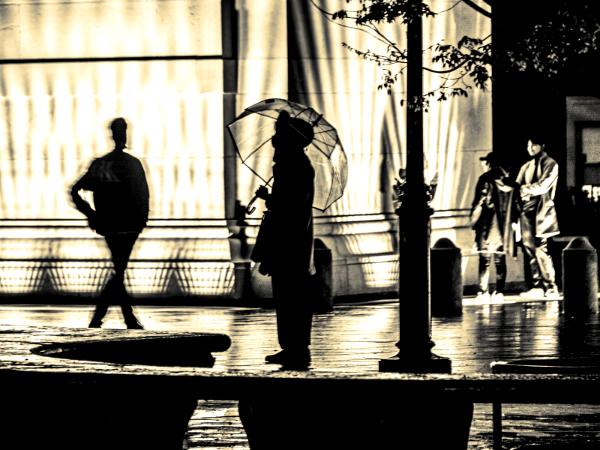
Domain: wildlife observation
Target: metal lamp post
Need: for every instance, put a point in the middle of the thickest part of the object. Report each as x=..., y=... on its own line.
x=415, y=342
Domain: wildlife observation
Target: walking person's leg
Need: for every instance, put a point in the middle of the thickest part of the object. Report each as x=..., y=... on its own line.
x=484, y=272
x=500, y=263
x=529, y=248
x=546, y=265
x=102, y=305
x=484, y=265
x=106, y=297
x=120, y=246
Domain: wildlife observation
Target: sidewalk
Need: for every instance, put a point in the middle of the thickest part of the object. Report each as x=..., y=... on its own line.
x=355, y=336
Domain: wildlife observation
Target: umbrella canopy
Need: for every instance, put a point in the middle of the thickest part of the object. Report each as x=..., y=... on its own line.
x=253, y=129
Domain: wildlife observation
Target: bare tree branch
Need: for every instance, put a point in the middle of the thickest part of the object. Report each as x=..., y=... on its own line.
x=383, y=37
x=460, y=67
x=378, y=35
x=570, y=32
x=478, y=8
x=458, y=2
x=443, y=71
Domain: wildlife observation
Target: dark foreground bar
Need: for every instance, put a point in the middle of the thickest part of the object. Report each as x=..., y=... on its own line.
x=83, y=403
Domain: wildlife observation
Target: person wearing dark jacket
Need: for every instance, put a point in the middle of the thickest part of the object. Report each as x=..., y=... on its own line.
x=290, y=262
x=121, y=198
x=490, y=220
x=537, y=180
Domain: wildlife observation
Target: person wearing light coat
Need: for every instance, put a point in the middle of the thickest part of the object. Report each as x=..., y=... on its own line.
x=537, y=180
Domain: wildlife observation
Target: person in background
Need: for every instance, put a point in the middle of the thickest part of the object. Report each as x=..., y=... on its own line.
x=490, y=220
x=536, y=181
x=121, y=198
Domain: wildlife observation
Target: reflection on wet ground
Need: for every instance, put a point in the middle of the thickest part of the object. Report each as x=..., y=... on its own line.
x=355, y=336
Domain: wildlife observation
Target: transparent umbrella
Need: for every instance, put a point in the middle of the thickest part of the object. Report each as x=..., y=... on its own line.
x=253, y=129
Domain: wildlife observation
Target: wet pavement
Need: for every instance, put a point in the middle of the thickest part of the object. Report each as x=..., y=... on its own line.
x=355, y=336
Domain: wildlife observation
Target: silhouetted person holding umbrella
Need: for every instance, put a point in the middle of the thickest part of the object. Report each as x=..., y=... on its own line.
x=289, y=260
x=120, y=213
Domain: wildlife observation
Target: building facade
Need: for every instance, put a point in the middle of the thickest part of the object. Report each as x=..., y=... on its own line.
x=179, y=71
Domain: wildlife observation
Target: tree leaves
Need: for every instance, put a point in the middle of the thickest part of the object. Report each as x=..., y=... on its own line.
x=561, y=36
x=460, y=66
x=377, y=11
x=556, y=42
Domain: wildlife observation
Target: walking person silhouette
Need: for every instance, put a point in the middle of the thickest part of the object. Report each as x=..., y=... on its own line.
x=120, y=213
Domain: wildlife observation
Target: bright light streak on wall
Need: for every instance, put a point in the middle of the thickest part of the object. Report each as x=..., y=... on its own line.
x=459, y=130
x=78, y=28
x=376, y=223
x=75, y=277
x=78, y=249
x=206, y=279
x=148, y=278
x=26, y=277
x=344, y=88
x=175, y=129
x=262, y=68
x=381, y=271
x=172, y=266
x=23, y=249
x=56, y=114
x=367, y=243
x=202, y=278
x=53, y=122
x=20, y=277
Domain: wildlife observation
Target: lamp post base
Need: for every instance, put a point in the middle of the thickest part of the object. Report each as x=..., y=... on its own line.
x=433, y=364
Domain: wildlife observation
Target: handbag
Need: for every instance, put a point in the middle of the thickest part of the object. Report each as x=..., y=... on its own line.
x=263, y=247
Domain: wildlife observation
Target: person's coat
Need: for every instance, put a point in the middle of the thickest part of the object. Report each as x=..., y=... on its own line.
x=290, y=205
x=492, y=206
x=539, y=177
x=121, y=195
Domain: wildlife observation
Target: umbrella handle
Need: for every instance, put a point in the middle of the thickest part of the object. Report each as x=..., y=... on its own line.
x=249, y=208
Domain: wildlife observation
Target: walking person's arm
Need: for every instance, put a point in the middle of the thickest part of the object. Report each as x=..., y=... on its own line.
x=506, y=185
x=547, y=180
x=481, y=191
x=82, y=206
x=142, y=194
